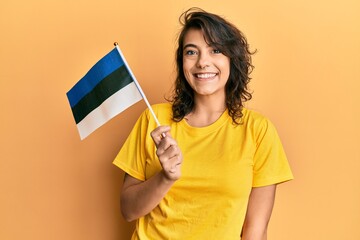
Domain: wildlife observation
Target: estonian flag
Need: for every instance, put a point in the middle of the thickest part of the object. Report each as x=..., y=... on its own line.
x=106, y=90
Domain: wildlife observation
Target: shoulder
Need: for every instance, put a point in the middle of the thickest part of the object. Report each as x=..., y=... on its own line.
x=257, y=123
x=253, y=117
x=159, y=108
x=163, y=112
x=162, y=107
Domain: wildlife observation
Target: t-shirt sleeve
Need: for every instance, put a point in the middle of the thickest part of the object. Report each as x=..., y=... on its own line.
x=270, y=162
x=132, y=156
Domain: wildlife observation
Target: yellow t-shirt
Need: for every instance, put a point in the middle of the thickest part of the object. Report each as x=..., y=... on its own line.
x=221, y=163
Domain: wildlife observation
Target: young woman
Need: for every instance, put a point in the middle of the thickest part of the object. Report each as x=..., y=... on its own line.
x=210, y=171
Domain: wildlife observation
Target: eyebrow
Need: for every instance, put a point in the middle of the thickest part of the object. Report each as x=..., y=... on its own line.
x=190, y=45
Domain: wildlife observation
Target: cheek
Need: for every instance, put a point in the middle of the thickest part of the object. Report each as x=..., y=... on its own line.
x=228, y=73
x=186, y=70
x=186, y=65
x=188, y=78
x=226, y=69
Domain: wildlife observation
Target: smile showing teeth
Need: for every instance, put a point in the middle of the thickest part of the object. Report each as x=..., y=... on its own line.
x=205, y=75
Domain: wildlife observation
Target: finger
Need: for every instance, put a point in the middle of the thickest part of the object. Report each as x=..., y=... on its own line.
x=171, y=156
x=165, y=144
x=175, y=162
x=158, y=134
x=170, y=164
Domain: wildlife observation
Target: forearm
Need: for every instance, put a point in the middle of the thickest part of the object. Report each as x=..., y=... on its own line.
x=139, y=199
x=254, y=233
x=258, y=214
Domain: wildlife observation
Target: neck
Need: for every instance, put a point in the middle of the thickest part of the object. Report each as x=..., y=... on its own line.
x=206, y=111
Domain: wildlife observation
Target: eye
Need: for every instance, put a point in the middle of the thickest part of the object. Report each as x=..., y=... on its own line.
x=189, y=52
x=216, y=51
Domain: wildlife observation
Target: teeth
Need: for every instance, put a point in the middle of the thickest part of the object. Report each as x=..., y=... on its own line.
x=205, y=75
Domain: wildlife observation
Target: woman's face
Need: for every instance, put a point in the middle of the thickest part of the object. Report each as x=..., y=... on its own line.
x=205, y=68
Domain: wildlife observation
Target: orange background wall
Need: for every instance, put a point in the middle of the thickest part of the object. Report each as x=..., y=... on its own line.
x=306, y=80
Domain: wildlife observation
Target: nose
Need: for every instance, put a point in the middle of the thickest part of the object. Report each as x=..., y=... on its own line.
x=203, y=61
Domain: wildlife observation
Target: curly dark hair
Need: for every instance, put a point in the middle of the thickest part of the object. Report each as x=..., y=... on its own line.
x=225, y=37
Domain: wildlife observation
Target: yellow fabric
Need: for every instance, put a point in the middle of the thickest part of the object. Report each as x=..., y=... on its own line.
x=221, y=163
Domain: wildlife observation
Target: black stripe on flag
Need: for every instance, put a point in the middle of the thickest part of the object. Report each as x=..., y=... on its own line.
x=107, y=87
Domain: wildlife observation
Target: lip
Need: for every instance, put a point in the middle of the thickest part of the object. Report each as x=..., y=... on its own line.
x=205, y=75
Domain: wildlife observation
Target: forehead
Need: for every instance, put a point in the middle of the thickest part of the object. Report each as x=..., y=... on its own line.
x=194, y=36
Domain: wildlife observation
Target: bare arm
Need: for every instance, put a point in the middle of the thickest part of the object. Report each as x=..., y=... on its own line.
x=258, y=214
x=138, y=198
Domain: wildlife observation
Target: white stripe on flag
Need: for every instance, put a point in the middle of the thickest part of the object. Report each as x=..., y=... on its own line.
x=112, y=106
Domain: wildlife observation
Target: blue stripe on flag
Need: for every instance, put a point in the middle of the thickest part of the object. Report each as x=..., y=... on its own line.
x=98, y=72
